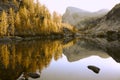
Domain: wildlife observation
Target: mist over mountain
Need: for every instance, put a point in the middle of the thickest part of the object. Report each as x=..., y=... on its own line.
x=74, y=15
x=111, y=20
x=101, y=23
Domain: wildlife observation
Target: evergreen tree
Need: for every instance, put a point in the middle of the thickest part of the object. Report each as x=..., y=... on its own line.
x=11, y=28
x=3, y=24
x=17, y=24
x=31, y=19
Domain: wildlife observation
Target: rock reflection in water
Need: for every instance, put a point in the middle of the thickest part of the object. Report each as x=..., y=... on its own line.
x=83, y=49
x=27, y=57
x=94, y=68
x=26, y=75
x=111, y=48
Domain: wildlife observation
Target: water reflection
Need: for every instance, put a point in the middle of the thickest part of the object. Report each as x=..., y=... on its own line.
x=27, y=57
x=94, y=68
x=64, y=70
x=82, y=49
x=112, y=48
x=60, y=60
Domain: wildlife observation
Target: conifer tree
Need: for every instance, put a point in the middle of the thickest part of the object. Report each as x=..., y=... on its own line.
x=11, y=28
x=31, y=19
x=3, y=24
x=56, y=18
x=17, y=23
x=5, y=0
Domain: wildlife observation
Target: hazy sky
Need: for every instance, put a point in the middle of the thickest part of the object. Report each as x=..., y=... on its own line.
x=90, y=5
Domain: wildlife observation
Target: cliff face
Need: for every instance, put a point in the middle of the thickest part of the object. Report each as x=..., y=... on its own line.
x=114, y=14
x=110, y=22
x=76, y=17
x=101, y=23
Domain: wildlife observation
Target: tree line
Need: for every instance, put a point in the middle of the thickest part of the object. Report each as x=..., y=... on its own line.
x=31, y=19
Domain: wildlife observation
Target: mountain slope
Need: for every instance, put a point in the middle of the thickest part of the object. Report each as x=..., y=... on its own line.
x=110, y=22
x=74, y=16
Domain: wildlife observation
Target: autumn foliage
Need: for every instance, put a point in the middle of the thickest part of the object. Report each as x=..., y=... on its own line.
x=17, y=58
x=31, y=19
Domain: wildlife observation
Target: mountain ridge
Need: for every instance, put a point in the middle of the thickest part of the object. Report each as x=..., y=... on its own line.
x=102, y=23
x=109, y=22
x=73, y=15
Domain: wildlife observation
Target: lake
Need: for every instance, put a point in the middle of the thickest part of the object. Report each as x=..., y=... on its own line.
x=77, y=59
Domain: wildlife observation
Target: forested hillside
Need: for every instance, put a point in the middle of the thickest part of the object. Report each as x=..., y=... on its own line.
x=29, y=18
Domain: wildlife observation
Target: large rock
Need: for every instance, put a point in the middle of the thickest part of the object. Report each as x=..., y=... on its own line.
x=94, y=69
x=34, y=75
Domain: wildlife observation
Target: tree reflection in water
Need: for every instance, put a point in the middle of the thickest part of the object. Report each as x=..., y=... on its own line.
x=27, y=57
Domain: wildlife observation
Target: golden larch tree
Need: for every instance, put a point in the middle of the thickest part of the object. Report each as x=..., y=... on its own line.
x=3, y=24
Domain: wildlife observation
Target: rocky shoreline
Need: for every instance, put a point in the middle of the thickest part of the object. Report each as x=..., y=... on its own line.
x=8, y=39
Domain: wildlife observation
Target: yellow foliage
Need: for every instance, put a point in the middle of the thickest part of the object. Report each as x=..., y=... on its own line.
x=31, y=55
x=3, y=24
x=11, y=28
x=31, y=19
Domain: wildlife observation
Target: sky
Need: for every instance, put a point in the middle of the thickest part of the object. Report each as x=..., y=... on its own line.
x=89, y=5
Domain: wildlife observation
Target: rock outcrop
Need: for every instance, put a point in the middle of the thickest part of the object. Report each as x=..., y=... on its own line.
x=94, y=69
x=110, y=22
x=98, y=24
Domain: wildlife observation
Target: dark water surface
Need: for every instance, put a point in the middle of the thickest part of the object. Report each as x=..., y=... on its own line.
x=81, y=59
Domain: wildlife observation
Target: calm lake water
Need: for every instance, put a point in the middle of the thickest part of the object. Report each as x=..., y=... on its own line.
x=60, y=60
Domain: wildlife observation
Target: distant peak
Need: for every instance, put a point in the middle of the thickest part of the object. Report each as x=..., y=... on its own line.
x=103, y=10
x=74, y=9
